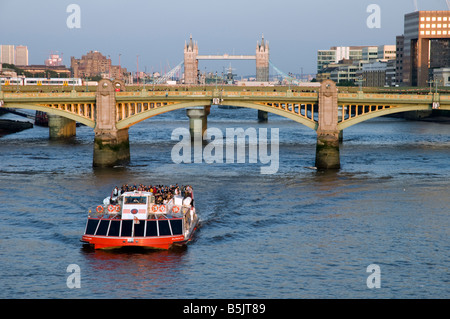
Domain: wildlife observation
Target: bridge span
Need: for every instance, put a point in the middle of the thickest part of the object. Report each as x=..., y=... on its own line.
x=112, y=110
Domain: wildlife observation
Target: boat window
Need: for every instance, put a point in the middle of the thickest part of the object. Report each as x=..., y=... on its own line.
x=103, y=228
x=127, y=227
x=114, y=228
x=91, y=226
x=177, y=226
x=139, y=229
x=164, y=229
x=151, y=228
x=135, y=200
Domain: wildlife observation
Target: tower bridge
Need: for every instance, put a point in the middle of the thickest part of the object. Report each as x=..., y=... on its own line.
x=113, y=109
x=191, y=58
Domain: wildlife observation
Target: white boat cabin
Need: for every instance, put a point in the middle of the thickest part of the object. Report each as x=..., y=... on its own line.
x=141, y=205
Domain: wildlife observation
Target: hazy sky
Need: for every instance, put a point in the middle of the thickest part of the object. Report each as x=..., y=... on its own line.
x=157, y=30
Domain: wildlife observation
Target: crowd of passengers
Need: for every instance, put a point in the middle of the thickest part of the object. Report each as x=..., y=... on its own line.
x=163, y=194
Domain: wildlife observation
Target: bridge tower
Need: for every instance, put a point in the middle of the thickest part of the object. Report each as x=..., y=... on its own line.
x=262, y=69
x=190, y=62
x=262, y=61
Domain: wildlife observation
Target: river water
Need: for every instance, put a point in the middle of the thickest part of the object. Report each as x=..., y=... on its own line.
x=298, y=233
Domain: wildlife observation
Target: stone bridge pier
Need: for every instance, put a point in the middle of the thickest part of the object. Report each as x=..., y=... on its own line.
x=198, y=121
x=111, y=145
x=328, y=134
x=61, y=127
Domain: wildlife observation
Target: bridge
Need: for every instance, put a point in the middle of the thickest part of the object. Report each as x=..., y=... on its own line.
x=113, y=109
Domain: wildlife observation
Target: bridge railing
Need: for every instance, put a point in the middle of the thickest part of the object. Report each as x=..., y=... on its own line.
x=215, y=93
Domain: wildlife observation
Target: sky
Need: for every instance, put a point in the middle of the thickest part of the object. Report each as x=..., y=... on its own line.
x=153, y=33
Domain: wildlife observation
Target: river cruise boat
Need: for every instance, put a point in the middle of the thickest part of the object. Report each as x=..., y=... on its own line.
x=134, y=219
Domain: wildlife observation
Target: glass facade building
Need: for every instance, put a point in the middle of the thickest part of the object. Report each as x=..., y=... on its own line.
x=426, y=45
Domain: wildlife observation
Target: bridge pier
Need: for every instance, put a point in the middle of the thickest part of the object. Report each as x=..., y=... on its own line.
x=60, y=127
x=111, y=145
x=327, y=150
x=198, y=120
x=111, y=148
x=263, y=116
x=328, y=135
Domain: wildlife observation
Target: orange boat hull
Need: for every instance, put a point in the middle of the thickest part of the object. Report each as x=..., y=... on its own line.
x=162, y=242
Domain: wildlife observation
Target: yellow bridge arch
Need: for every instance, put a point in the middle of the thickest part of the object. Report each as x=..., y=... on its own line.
x=141, y=113
x=77, y=116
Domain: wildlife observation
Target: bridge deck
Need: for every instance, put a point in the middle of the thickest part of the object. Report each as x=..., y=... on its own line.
x=294, y=102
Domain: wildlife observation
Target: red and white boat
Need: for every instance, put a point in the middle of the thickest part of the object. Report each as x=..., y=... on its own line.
x=134, y=219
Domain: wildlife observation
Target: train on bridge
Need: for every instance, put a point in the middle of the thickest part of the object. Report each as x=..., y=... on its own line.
x=41, y=81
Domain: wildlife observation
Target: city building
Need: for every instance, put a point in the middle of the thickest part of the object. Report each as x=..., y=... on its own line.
x=46, y=71
x=342, y=64
x=386, y=52
x=7, y=54
x=426, y=45
x=399, y=60
x=370, y=53
x=391, y=79
x=95, y=64
x=345, y=73
x=336, y=54
x=21, y=55
x=373, y=74
x=53, y=60
x=442, y=76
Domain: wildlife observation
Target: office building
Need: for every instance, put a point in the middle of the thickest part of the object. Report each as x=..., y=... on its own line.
x=336, y=54
x=442, y=76
x=341, y=64
x=7, y=54
x=21, y=55
x=399, y=60
x=386, y=52
x=426, y=45
x=370, y=53
x=373, y=74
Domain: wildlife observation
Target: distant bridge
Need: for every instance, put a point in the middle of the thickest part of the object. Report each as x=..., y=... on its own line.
x=112, y=109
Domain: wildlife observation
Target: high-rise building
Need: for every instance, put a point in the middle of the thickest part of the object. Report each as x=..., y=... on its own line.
x=399, y=60
x=426, y=45
x=21, y=55
x=7, y=54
